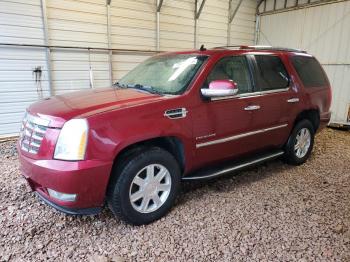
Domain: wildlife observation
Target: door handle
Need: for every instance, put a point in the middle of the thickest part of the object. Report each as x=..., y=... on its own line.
x=293, y=100
x=252, y=107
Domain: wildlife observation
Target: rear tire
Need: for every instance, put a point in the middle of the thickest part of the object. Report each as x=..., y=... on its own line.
x=144, y=186
x=300, y=143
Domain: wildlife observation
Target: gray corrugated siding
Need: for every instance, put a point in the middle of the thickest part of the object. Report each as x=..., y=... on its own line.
x=323, y=31
x=20, y=22
x=84, y=23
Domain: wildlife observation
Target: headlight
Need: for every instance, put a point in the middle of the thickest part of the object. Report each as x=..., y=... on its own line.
x=71, y=143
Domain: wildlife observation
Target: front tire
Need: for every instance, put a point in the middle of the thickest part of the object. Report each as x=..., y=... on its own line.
x=300, y=143
x=144, y=186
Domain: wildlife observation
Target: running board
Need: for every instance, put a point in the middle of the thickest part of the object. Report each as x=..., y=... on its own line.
x=212, y=173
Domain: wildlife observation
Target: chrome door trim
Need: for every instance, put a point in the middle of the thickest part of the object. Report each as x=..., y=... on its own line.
x=275, y=91
x=235, y=137
x=218, y=93
x=293, y=100
x=252, y=108
x=252, y=94
x=176, y=113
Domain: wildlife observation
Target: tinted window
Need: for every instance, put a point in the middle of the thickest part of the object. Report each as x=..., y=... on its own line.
x=271, y=73
x=234, y=68
x=309, y=71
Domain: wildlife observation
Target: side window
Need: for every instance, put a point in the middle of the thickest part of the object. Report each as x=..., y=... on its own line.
x=271, y=73
x=309, y=71
x=234, y=68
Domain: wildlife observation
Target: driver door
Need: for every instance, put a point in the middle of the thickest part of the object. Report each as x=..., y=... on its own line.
x=222, y=125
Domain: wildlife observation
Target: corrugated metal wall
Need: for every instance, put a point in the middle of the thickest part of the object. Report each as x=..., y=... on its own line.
x=83, y=23
x=20, y=22
x=243, y=25
x=77, y=23
x=177, y=25
x=324, y=31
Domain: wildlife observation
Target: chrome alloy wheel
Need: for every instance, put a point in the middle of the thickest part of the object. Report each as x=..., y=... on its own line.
x=150, y=188
x=302, y=142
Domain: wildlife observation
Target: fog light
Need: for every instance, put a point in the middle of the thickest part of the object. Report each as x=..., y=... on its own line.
x=61, y=196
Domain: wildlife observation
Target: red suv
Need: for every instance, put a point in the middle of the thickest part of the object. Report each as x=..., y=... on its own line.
x=177, y=116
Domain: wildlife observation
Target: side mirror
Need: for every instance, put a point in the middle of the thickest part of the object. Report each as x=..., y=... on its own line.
x=220, y=88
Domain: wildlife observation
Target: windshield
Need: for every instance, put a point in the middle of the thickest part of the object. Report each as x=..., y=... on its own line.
x=164, y=74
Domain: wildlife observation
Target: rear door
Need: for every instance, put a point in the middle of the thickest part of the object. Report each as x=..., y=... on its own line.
x=276, y=105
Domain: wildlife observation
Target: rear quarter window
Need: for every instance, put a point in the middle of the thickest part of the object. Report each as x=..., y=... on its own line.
x=309, y=71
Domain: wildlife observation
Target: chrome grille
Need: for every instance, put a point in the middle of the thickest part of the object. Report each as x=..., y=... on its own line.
x=32, y=133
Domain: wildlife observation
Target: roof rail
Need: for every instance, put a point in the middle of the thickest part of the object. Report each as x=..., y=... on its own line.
x=261, y=47
x=228, y=47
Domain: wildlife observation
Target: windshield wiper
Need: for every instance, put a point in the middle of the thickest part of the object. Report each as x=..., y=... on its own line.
x=149, y=89
x=117, y=84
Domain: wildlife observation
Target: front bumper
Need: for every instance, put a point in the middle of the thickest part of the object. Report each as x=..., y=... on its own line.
x=88, y=179
x=70, y=211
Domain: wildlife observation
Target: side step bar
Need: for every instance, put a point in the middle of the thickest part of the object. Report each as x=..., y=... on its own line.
x=212, y=173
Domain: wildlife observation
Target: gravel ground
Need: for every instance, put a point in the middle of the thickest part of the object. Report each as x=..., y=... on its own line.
x=273, y=212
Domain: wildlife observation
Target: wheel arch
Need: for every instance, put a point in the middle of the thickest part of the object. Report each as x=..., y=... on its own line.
x=313, y=115
x=174, y=145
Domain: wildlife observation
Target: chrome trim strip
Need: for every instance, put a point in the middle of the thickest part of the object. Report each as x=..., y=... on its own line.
x=234, y=168
x=205, y=136
x=252, y=108
x=223, y=98
x=252, y=94
x=293, y=100
x=218, y=93
x=37, y=120
x=275, y=91
x=235, y=137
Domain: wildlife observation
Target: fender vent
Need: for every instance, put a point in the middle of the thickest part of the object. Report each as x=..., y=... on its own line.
x=176, y=113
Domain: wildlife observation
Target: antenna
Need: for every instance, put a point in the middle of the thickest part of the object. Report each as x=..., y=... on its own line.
x=202, y=48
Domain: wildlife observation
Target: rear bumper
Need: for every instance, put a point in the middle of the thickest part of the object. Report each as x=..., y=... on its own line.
x=324, y=119
x=87, y=179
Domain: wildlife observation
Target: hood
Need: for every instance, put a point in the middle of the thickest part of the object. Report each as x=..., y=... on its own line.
x=58, y=109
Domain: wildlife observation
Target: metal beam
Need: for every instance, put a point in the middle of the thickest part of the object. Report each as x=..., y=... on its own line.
x=231, y=16
x=257, y=29
x=257, y=6
x=195, y=24
x=228, y=42
x=110, y=54
x=299, y=6
x=198, y=12
x=46, y=40
x=159, y=5
x=100, y=49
